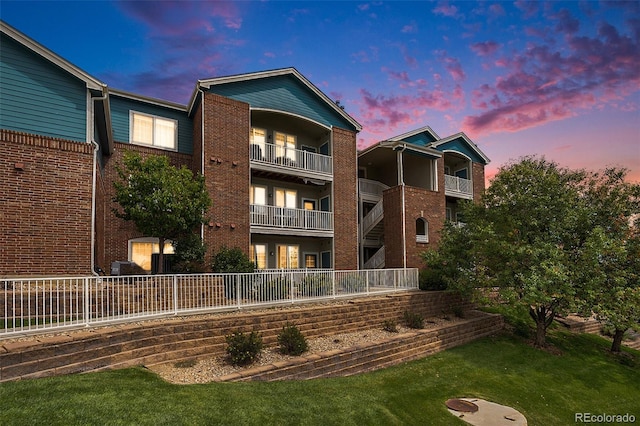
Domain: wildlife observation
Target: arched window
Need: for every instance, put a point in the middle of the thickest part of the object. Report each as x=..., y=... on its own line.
x=422, y=230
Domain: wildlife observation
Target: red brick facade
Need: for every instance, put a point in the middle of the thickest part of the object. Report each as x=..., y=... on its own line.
x=114, y=245
x=226, y=172
x=45, y=206
x=345, y=203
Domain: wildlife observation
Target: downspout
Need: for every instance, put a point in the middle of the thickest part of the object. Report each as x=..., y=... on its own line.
x=201, y=148
x=96, y=148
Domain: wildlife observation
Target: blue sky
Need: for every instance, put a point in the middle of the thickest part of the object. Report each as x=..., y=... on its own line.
x=560, y=79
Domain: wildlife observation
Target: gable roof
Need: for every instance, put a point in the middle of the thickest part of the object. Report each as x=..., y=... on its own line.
x=217, y=83
x=461, y=137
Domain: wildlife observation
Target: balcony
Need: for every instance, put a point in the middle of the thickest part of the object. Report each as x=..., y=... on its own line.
x=371, y=190
x=286, y=221
x=276, y=158
x=458, y=187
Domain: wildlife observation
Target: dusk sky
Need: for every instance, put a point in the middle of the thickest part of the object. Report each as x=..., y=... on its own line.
x=559, y=79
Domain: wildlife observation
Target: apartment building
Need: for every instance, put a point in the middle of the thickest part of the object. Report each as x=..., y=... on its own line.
x=278, y=156
x=409, y=185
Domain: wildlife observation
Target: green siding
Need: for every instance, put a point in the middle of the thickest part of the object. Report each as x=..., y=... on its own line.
x=460, y=145
x=283, y=93
x=120, y=108
x=39, y=97
x=421, y=139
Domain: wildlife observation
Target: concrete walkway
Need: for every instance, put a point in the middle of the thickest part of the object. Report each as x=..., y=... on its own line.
x=490, y=414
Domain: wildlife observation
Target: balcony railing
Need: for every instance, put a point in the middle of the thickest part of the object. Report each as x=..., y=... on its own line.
x=371, y=188
x=458, y=187
x=290, y=158
x=283, y=217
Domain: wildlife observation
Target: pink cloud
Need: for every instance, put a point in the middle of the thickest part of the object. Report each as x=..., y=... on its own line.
x=543, y=84
x=485, y=48
x=496, y=9
x=446, y=9
x=410, y=28
x=528, y=7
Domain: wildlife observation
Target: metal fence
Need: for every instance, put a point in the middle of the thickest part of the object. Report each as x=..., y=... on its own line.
x=37, y=304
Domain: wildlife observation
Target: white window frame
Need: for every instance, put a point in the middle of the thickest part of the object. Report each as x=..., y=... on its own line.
x=252, y=195
x=314, y=201
x=286, y=150
x=288, y=248
x=286, y=190
x=253, y=255
x=310, y=253
x=153, y=144
x=422, y=238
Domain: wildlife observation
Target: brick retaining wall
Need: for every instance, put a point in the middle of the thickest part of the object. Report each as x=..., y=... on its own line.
x=191, y=337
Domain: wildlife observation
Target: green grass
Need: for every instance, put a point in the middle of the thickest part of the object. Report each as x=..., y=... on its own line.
x=548, y=388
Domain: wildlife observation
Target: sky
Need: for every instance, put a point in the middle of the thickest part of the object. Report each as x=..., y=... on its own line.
x=558, y=79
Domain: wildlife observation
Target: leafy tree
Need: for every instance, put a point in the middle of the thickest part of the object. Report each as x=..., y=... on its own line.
x=610, y=259
x=161, y=200
x=189, y=253
x=521, y=241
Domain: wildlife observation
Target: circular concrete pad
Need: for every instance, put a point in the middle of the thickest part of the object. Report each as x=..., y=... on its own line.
x=490, y=414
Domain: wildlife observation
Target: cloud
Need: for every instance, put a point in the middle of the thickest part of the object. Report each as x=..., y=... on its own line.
x=410, y=28
x=544, y=84
x=529, y=8
x=188, y=40
x=446, y=9
x=485, y=48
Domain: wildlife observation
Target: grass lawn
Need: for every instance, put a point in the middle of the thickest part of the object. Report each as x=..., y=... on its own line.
x=580, y=375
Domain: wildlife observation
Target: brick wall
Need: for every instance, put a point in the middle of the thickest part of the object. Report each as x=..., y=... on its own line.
x=226, y=172
x=430, y=205
x=345, y=204
x=478, y=181
x=45, y=208
x=117, y=232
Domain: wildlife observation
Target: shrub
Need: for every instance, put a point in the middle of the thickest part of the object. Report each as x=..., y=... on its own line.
x=390, y=325
x=292, y=341
x=413, y=320
x=431, y=279
x=316, y=285
x=231, y=260
x=243, y=349
x=353, y=283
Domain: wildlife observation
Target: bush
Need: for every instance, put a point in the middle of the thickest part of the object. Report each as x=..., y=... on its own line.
x=291, y=341
x=228, y=261
x=231, y=260
x=353, y=283
x=431, y=279
x=413, y=320
x=243, y=349
x=316, y=285
x=278, y=288
x=390, y=325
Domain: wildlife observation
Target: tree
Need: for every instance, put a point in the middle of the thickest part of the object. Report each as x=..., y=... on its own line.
x=161, y=200
x=610, y=259
x=522, y=240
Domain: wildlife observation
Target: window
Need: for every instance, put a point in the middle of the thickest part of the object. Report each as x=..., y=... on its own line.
x=258, y=195
x=308, y=204
x=325, y=260
x=258, y=253
x=287, y=257
x=257, y=139
x=286, y=198
x=286, y=146
x=422, y=230
x=154, y=131
x=310, y=260
x=141, y=249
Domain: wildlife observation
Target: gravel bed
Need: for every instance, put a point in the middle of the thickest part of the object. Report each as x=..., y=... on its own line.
x=208, y=369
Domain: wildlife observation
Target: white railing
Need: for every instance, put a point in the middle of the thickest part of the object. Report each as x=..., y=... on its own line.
x=458, y=186
x=283, y=217
x=372, y=218
x=377, y=260
x=290, y=158
x=371, y=187
x=33, y=305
